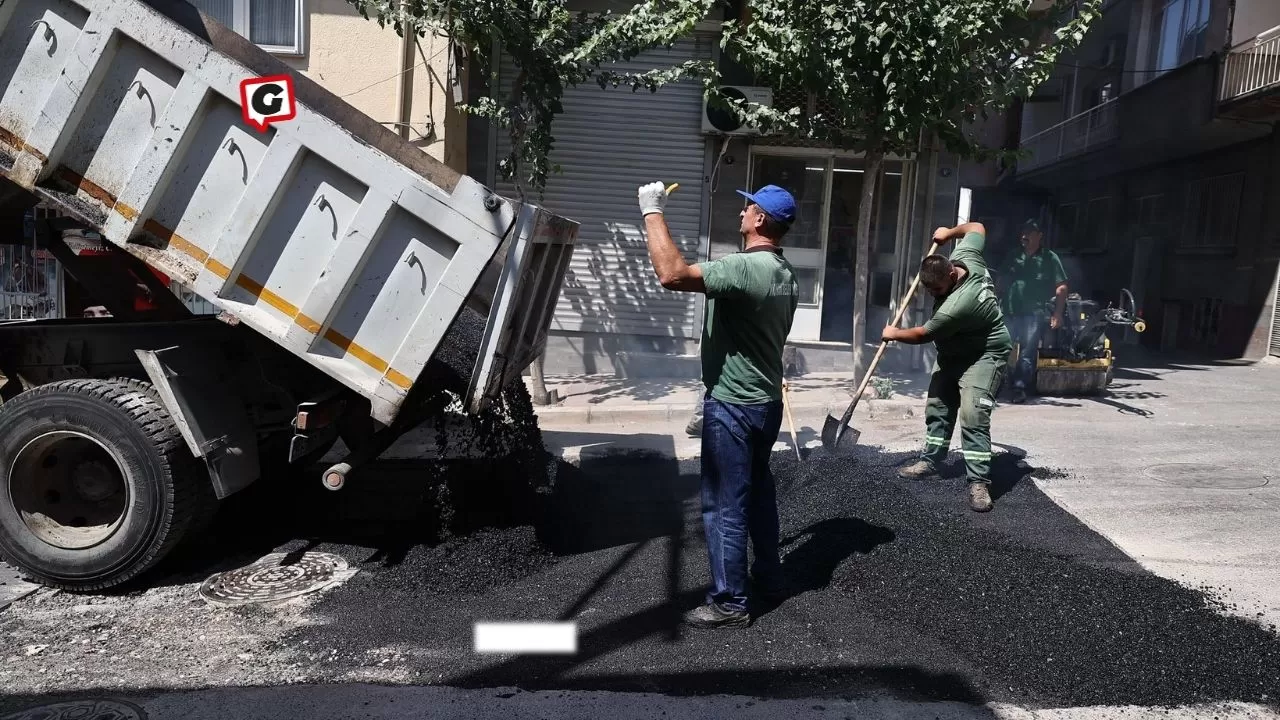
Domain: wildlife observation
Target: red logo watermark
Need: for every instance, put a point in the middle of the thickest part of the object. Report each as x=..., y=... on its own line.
x=267, y=100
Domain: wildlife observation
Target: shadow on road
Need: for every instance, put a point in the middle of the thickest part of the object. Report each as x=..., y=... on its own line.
x=811, y=565
x=826, y=694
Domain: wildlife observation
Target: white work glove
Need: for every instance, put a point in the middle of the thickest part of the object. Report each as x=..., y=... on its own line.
x=653, y=198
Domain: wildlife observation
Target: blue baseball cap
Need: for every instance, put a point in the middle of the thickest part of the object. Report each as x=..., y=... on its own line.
x=775, y=202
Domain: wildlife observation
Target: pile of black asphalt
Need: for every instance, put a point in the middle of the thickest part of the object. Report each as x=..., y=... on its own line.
x=895, y=587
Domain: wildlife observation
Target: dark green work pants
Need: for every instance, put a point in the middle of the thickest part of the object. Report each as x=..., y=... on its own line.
x=967, y=394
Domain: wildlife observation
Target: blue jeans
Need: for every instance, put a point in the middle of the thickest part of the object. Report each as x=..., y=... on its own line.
x=739, y=498
x=1024, y=331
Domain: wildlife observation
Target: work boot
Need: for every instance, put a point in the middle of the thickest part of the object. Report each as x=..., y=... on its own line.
x=919, y=470
x=979, y=497
x=712, y=616
x=1019, y=396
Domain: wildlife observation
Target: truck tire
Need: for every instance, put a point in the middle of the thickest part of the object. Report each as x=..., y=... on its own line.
x=99, y=486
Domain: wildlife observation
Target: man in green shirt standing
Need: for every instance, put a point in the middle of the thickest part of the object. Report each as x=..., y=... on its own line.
x=751, y=302
x=1029, y=277
x=973, y=346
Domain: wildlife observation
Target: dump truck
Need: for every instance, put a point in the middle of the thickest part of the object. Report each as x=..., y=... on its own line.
x=361, y=287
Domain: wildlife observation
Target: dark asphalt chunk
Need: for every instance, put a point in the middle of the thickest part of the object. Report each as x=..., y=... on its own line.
x=898, y=588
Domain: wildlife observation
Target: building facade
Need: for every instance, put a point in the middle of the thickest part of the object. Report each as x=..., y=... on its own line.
x=615, y=318
x=1151, y=159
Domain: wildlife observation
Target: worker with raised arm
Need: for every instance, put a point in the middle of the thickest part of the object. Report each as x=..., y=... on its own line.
x=973, y=347
x=1027, y=280
x=751, y=302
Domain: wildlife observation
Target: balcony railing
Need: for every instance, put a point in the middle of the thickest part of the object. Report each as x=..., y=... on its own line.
x=1073, y=136
x=1251, y=67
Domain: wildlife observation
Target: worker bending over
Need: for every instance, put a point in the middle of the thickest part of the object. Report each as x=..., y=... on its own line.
x=1028, y=278
x=973, y=347
x=751, y=302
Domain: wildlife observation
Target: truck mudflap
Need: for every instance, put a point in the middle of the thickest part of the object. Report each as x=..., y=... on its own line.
x=533, y=269
x=209, y=413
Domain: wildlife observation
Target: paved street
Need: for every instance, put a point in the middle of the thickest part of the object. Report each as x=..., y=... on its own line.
x=1127, y=571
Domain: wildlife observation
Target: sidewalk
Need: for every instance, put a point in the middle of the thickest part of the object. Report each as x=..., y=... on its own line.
x=605, y=415
x=596, y=399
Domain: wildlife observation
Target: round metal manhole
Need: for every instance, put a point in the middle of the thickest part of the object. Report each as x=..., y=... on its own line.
x=81, y=710
x=276, y=577
x=1203, y=475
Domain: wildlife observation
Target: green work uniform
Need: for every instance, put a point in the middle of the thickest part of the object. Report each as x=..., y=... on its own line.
x=751, y=300
x=1032, y=281
x=973, y=346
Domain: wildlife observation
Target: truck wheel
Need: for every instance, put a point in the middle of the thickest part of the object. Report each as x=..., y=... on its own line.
x=98, y=485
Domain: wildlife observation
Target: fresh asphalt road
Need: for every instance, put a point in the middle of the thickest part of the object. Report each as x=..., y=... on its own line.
x=903, y=601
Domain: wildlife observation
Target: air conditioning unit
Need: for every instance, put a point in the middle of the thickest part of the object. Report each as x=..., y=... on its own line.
x=717, y=121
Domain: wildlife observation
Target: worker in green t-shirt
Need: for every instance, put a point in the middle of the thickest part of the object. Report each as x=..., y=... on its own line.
x=1028, y=279
x=751, y=302
x=968, y=330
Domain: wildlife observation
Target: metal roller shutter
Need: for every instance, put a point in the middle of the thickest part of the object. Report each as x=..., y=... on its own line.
x=1275, y=320
x=607, y=144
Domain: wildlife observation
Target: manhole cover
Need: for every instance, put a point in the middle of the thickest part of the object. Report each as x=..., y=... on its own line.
x=82, y=710
x=1202, y=475
x=276, y=577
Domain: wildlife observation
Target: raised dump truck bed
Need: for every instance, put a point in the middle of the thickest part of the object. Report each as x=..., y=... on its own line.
x=368, y=276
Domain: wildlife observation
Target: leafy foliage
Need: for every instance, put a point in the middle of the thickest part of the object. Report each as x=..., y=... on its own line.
x=554, y=49
x=886, y=71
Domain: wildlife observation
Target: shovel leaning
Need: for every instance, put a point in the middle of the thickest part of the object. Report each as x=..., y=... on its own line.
x=832, y=429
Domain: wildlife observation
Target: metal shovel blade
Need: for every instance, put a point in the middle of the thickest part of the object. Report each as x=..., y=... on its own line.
x=833, y=431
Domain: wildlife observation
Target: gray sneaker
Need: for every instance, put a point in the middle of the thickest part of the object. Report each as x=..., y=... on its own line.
x=694, y=428
x=979, y=497
x=713, y=616
x=918, y=470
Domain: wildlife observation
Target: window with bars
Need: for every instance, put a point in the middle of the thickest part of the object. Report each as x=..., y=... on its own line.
x=274, y=25
x=1213, y=212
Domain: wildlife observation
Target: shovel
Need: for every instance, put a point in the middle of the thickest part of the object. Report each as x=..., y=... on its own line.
x=833, y=429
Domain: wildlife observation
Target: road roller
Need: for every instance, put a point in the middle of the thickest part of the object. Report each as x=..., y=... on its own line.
x=1077, y=358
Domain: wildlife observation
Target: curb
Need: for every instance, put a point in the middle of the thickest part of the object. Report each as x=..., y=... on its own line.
x=668, y=412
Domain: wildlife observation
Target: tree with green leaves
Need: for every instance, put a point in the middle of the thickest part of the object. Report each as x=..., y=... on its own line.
x=553, y=49
x=890, y=72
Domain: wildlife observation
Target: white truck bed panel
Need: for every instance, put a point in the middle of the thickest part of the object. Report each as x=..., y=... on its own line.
x=328, y=233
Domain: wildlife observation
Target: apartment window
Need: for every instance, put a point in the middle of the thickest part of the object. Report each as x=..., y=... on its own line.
x=1183, y=25
x=1097, y=223
x=1213, y=212
x=274, y=25
x=1149, y=210
x=1064, y=226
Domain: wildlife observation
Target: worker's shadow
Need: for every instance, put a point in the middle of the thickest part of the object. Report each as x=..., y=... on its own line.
x=1009, y=467
x=811, y=565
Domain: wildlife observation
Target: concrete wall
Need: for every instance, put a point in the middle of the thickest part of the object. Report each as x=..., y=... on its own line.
x=1252, y=18
x=356, y=59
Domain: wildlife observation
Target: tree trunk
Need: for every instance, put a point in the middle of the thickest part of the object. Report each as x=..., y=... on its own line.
x=538, y=391
x=862, y=259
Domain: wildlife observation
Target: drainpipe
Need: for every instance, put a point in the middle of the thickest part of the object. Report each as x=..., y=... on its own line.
x=404, y=88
